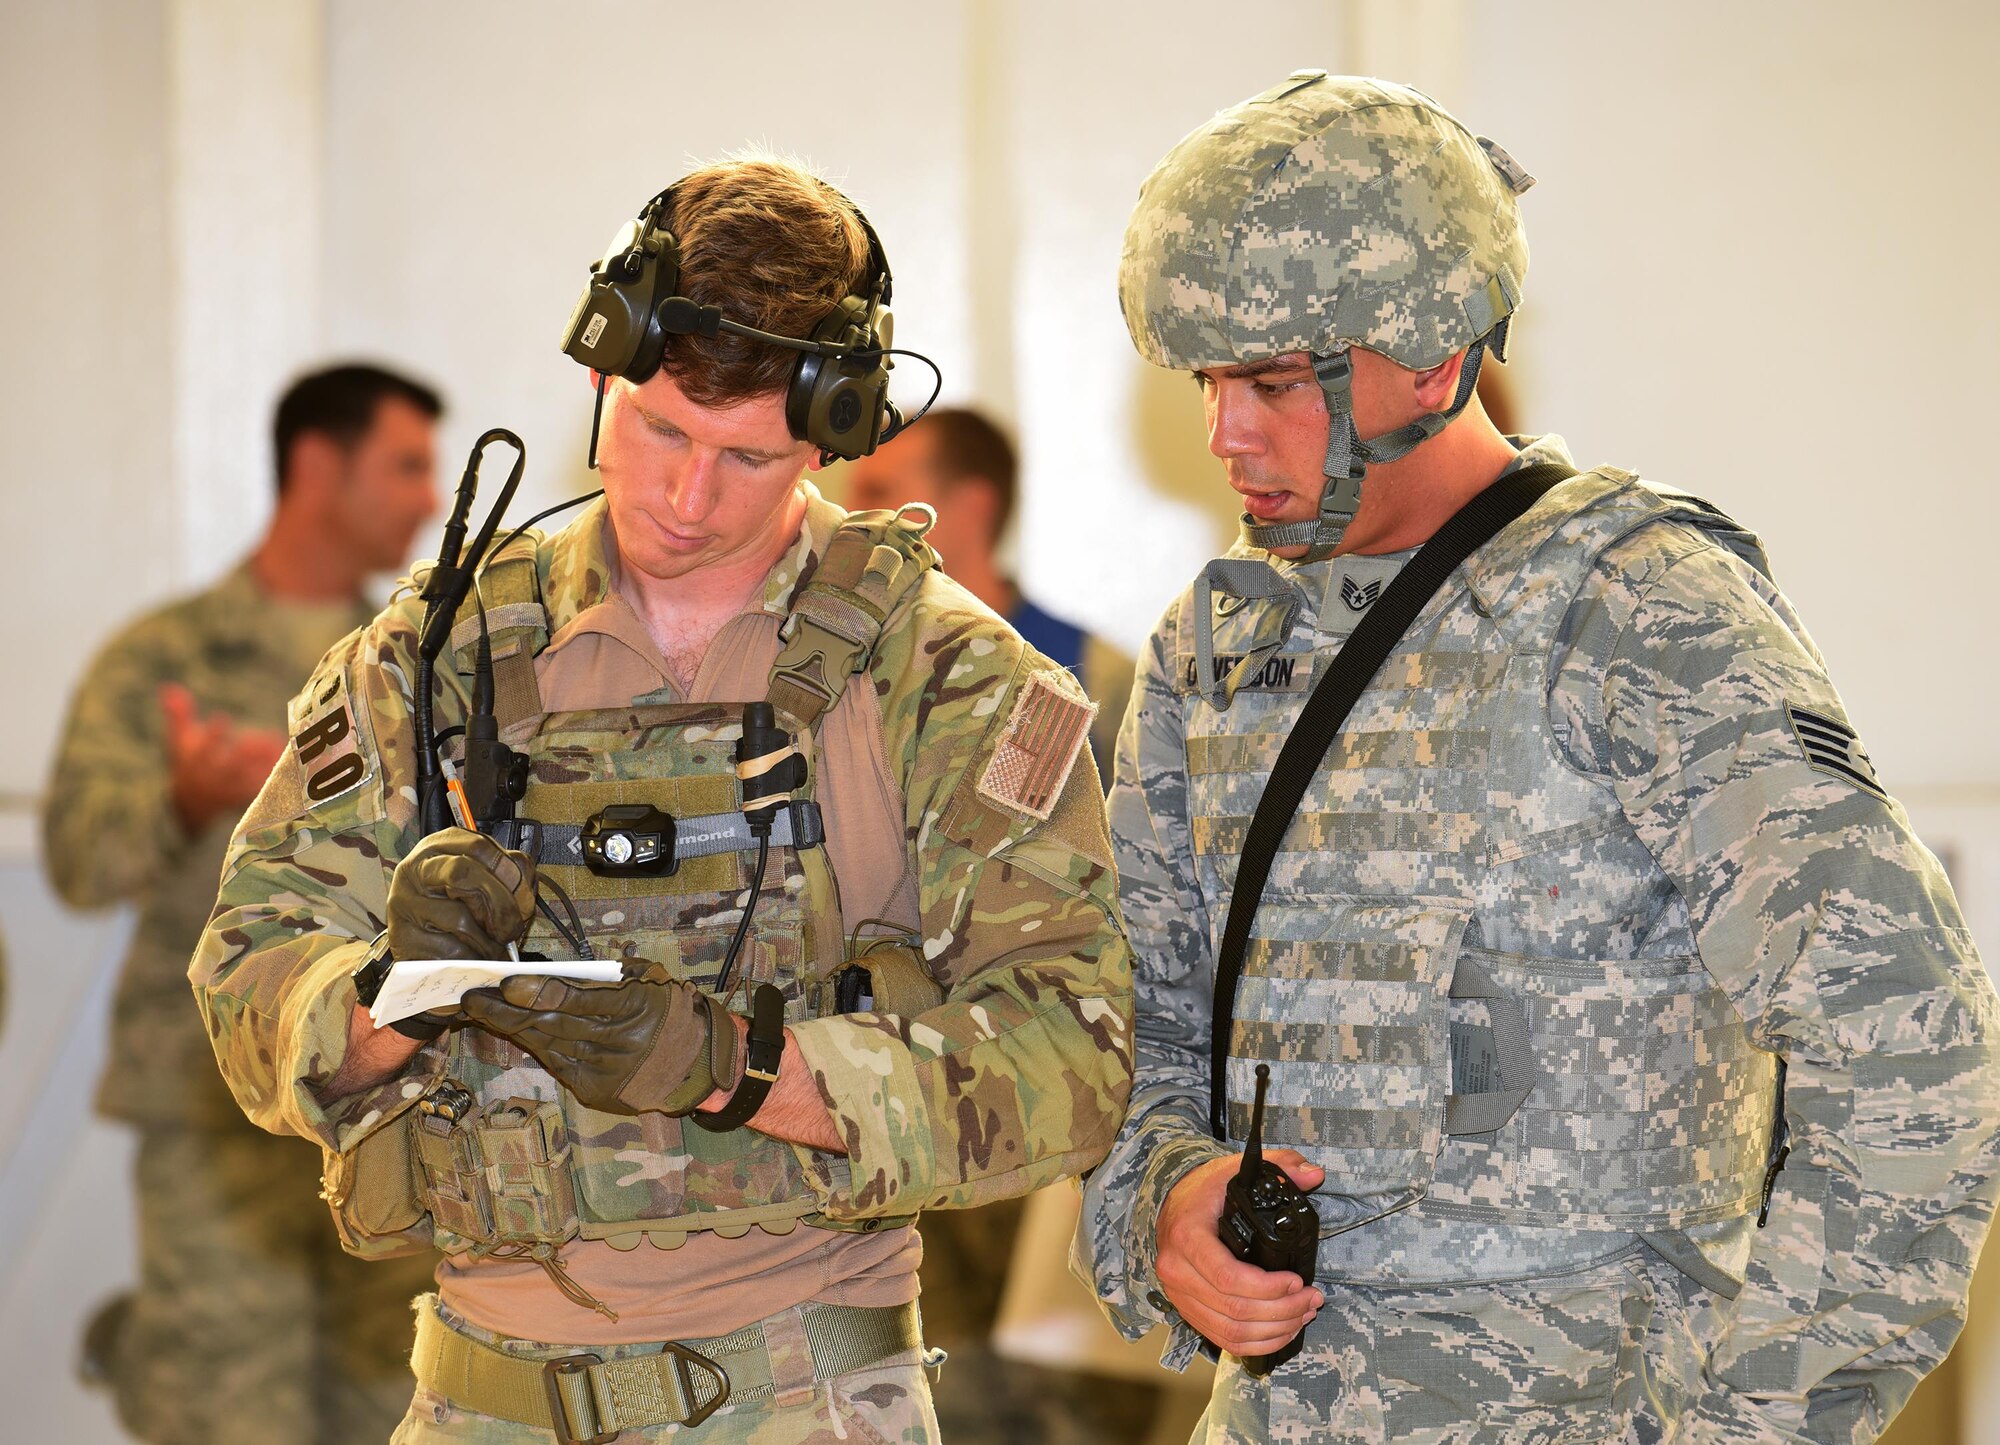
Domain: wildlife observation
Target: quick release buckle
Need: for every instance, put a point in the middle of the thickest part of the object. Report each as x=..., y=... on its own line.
x=553, y=1372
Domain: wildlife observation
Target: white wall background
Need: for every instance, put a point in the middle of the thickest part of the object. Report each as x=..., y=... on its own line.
x=1760, y=259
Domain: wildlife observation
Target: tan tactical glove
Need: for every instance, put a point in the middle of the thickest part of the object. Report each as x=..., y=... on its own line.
x=627, y=1047
x=460, y=895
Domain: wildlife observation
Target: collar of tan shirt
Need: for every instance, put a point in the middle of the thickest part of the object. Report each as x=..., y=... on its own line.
x=600, y=653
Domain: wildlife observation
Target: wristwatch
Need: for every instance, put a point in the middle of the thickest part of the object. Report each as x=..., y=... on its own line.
x=368, y=981
x=761, y=1059
x=374, y=971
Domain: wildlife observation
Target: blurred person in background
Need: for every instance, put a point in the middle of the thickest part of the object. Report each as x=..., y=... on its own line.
x=1632, y=1073
x=963, y=466
x=248, y=1322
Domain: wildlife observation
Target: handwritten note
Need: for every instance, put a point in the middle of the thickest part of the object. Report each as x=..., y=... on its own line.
x=415, y=985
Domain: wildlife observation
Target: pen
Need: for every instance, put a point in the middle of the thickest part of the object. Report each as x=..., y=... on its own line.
x=462, y=806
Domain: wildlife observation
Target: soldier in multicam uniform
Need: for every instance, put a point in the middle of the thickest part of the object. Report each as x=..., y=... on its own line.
x=241, y=1293
x=622, y=1246
x=1595, y=856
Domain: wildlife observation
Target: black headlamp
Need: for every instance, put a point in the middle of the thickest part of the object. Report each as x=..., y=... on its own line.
x=629, y=839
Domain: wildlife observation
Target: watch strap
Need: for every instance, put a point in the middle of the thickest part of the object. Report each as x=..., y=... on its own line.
x=762, y=1057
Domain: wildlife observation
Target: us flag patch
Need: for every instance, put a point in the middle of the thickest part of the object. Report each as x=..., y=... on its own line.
x=1832, y=747
x=1038, y=747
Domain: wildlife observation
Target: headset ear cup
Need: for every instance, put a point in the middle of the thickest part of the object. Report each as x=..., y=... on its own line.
x=799, y=395
x=836, y=402
x=615, y=329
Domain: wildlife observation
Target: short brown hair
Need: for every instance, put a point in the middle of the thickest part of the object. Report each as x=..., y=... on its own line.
x=966, y=444
x=340, y=402
x=774, y=247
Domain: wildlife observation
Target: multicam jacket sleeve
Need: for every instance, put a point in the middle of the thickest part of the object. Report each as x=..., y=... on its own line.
x=1165, y=1135
x=1692, y=687
x=305, y=890
x=1021, y=1077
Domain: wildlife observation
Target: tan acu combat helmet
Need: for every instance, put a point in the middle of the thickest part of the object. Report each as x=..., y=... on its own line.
x=1328, y=212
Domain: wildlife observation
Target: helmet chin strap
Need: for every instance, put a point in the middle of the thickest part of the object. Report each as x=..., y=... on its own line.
x=1348, y=455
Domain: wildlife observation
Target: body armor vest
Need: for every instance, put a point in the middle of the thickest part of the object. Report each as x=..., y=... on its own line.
x=507, y=1162
x=549, y=1168
x=1478, y=993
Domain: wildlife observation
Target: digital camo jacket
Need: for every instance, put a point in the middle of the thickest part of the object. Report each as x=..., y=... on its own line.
x=1605, y=783
x=1017, y=1079
x=109, y=833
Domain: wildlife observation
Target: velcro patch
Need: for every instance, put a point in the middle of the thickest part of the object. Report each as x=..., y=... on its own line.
x=329, y=754
x=1038, y=747
x=1831, y=746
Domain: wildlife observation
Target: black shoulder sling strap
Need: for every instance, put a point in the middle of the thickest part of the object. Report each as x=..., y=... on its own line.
x=1333, y=697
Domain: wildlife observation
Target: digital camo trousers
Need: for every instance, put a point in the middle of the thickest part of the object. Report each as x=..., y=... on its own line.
x=1607, y=1352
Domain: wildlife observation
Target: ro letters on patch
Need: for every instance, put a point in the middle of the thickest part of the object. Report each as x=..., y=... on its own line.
x=329, y=754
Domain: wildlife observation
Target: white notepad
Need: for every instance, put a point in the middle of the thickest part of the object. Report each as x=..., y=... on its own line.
x=415, y=985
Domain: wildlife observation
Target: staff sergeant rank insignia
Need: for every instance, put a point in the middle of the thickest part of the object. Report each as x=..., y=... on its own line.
x=1832, y=747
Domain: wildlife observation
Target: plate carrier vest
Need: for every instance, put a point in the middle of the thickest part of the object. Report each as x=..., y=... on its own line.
x=1478, y=993
x=499, y=1157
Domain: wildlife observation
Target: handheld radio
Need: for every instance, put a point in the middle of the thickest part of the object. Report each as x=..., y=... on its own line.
x=1267, y=1221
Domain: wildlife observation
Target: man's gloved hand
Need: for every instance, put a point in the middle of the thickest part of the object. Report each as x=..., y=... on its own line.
x=460, y=895
x=627, y=1047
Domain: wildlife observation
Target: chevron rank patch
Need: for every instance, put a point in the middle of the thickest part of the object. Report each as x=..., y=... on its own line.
x=1038, y=747
x=1832, y=747
x=1357, y=596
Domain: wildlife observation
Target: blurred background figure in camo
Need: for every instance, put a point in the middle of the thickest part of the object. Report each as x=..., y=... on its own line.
x=243, y=1294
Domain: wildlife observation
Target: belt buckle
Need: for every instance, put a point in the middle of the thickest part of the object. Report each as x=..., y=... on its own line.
x=683, y=1357
x=552, y=1373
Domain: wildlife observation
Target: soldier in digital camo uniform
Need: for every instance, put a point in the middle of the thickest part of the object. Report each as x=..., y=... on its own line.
x=242, y=1294
x=1596, y=854
x=625, y=1257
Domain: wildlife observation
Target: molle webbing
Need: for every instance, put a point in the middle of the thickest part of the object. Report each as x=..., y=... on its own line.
x=873, y=562
x=518, y=624
x=1450, y=1021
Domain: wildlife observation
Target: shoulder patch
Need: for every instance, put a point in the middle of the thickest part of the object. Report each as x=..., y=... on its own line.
x=1038, y=747
x=1831, y=746
x=329, y=754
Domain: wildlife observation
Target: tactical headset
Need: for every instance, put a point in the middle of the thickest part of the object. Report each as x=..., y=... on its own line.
x=838, y=396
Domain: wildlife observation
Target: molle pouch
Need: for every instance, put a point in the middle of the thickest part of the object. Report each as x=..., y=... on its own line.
x=453, y=1173
x=526, y=1149
x=1346, y=998
x=495, y=1175
x=885, y=975
x=647, y=1176
x=372, y=1189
